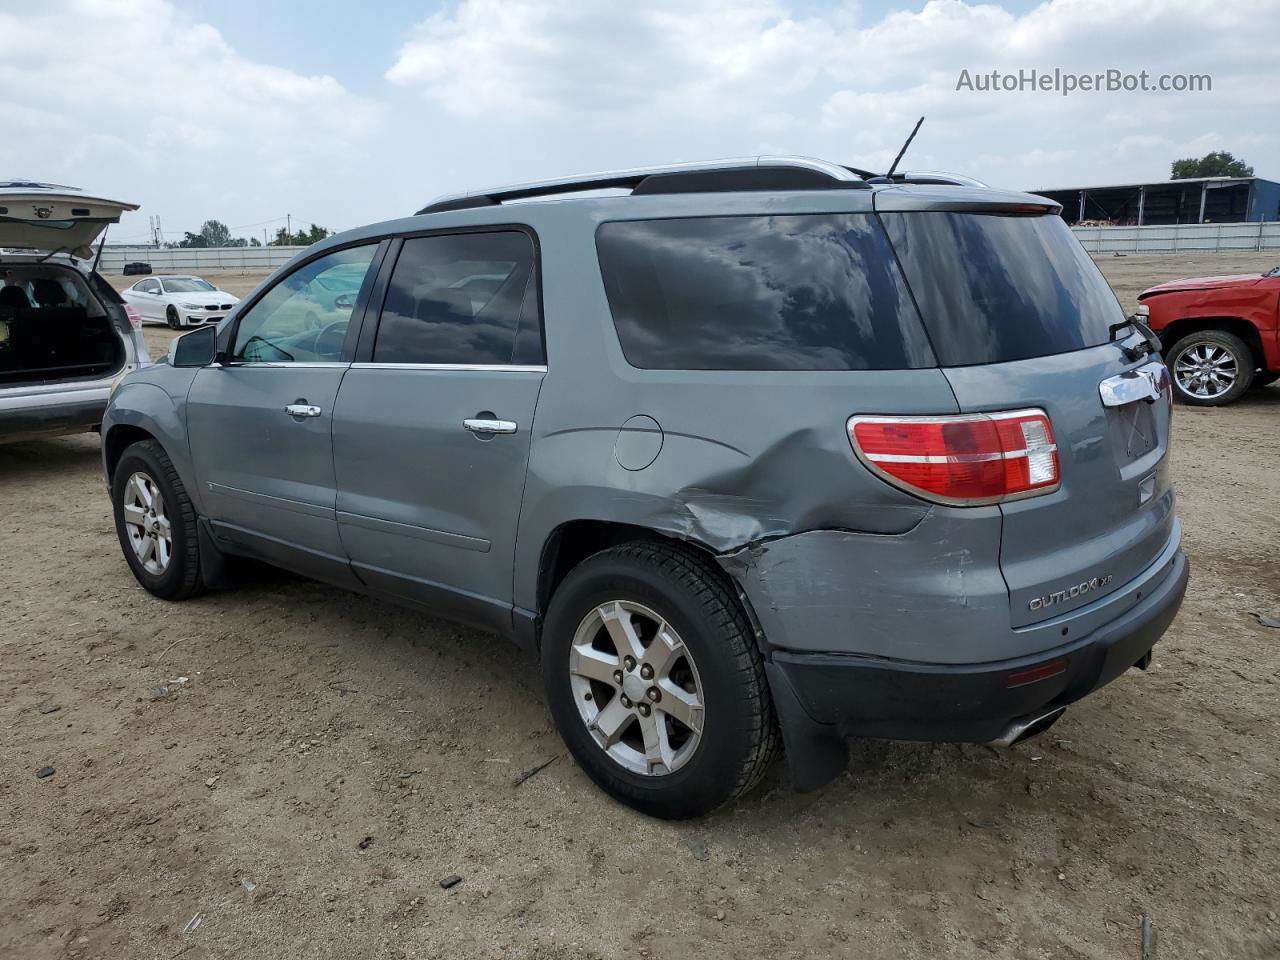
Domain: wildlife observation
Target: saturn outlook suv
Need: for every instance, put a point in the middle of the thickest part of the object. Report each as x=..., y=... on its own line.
x=750, y=454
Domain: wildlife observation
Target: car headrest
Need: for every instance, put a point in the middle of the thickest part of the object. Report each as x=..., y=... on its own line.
x=48, y=292
x=12, y=296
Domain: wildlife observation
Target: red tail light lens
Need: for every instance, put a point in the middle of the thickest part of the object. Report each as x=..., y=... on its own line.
x=967, y=460
x=134, y=320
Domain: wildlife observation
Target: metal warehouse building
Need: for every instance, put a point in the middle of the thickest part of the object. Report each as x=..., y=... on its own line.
x=1197, y=200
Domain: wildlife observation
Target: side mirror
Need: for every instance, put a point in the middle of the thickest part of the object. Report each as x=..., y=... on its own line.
x=195, y=349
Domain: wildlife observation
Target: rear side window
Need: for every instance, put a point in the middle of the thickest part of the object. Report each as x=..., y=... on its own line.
x=813, y=292
x=466, y=299
x=993, y=288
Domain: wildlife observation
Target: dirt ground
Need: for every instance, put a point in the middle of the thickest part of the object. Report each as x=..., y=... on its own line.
x=289, y=771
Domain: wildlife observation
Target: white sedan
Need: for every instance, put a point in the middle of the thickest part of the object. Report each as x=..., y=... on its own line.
x=179, y=301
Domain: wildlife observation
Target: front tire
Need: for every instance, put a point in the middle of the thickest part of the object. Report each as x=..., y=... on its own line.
x=690, y=724
x=174, y=321
x=156, y=522
x=1211, y=368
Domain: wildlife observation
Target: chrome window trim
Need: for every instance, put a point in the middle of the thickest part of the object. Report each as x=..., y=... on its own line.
x=291, y=365
x=487, y=367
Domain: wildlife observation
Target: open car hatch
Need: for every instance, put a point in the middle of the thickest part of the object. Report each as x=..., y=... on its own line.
x=49, y=218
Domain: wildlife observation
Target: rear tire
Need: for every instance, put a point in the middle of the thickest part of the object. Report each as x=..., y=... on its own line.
x=733, y=736
x=1211, y=368
x=150, y=502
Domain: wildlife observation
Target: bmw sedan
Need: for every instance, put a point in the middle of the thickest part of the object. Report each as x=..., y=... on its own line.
x=179, y=301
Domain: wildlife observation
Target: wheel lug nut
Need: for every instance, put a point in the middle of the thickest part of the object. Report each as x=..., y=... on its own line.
x=654, y=694
x=646, y=672
x=644, y=709
x=629, y=662
x=617, y=677
x=626, y=701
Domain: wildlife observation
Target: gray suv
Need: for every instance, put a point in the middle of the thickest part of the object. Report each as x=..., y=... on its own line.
x=66, y=336
x=762, y=452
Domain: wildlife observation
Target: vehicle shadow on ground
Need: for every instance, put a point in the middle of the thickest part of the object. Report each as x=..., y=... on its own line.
x=374, y=643
x=370, y=638
x=1268, y=396
x=33, y=459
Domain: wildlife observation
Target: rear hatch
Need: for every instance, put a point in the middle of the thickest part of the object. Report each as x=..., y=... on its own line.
x=1020, y=317
x=48, y=218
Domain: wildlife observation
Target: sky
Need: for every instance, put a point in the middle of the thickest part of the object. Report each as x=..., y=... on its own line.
x=344, y=113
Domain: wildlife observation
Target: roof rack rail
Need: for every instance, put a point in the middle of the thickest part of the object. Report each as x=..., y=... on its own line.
x=741, y=173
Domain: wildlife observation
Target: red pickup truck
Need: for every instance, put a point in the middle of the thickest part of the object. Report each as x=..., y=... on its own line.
x=1221, y=335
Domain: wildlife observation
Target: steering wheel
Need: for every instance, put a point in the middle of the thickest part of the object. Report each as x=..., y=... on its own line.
x=329, y=339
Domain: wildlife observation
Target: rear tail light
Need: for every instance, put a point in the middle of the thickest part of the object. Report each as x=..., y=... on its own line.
x=135, y=321
x=965, y=460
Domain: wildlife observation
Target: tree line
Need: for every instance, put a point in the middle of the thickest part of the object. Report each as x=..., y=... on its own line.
x=215, y=233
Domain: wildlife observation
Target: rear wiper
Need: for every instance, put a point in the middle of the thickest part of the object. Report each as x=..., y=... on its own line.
x=1150, y=342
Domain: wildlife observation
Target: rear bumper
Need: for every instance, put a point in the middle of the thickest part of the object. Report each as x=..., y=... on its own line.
x=51, y=414
x=824, y=698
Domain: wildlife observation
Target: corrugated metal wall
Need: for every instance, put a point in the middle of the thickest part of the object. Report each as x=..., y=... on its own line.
x=187, y=260
x=1203, y=237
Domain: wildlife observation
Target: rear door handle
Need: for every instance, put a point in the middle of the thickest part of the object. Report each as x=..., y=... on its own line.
x=1147, y=382
x=302, y=410
x=490, y=426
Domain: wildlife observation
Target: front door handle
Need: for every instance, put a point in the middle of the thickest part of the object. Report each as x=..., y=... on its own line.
x=302, y=410
x=490, y=426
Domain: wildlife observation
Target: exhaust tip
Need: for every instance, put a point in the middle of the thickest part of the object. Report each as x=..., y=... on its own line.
x=1028, y=727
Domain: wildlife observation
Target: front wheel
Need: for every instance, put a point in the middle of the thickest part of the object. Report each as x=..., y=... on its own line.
x=171, y=316
x=1211, y=368
x=655, y=681
x=156, y=522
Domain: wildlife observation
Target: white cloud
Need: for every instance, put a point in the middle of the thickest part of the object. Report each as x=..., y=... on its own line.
x=156, y=108
x=712, y=72
x=129, y=98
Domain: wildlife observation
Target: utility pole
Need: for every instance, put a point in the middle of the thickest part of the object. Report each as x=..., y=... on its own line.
x=265, y=241
x=288, y=226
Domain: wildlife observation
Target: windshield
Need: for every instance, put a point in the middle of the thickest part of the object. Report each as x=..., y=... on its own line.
x=994, y=287
x=188, y=285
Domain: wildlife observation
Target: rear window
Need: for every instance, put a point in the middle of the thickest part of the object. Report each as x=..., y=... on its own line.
x=993, y=288
x=817, y=292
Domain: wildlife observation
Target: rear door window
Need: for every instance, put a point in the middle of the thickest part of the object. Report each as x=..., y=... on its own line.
x=994, y=287
x=811, y=292
x=462, y=299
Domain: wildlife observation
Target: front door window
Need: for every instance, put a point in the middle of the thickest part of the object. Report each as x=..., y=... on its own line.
x=304, y=317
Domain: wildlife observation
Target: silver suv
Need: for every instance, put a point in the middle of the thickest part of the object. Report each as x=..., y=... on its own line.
x=760, y=451
x=65, y=334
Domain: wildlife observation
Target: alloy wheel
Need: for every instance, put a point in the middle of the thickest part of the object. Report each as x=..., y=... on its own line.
x=147, y=524
x=1205, y=370
x=637, y=688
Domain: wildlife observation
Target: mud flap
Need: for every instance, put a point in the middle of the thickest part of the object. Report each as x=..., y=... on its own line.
x=816, y=753
x=214, y=569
